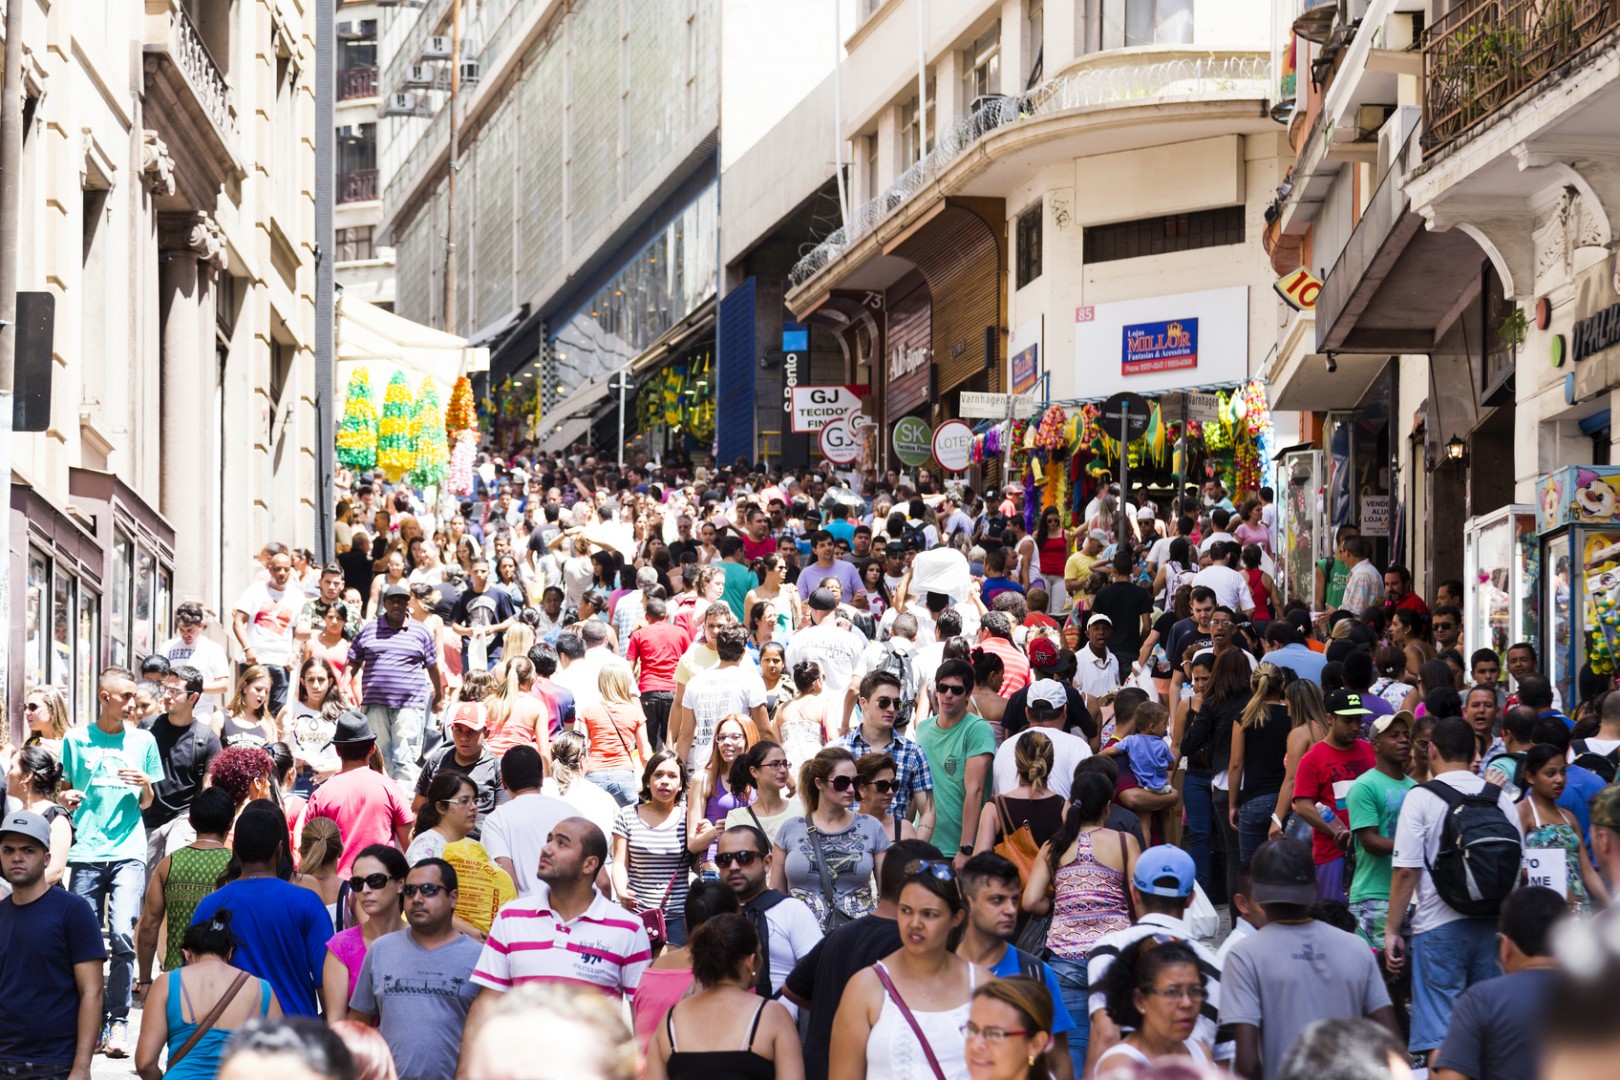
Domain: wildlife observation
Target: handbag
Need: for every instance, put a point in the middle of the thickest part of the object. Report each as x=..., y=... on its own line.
x=653, y=917
x=836, y=916
x=207, y=1022
x=1018, y=845
x=911, y=1021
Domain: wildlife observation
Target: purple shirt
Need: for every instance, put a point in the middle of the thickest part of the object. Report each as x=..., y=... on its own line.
x=811, y=577
x=396, y=663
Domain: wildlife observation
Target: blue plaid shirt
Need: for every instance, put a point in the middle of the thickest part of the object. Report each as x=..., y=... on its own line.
x=911, y=767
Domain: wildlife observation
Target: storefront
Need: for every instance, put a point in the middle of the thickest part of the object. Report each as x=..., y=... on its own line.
x=908, y=372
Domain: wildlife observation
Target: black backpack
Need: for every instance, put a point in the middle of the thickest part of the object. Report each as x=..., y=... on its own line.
x=1477, y=865
x=1605, y=765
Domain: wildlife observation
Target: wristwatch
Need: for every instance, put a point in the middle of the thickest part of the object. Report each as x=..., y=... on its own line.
x=965, y=849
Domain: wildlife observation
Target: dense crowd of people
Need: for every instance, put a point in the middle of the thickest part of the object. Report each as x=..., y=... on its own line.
x=669, y=772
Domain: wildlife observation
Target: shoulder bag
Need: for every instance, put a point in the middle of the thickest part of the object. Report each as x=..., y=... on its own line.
x=653, y=917
x=1018, y=845
x=836, y=916
x=911, y=1021
x=206, y=1023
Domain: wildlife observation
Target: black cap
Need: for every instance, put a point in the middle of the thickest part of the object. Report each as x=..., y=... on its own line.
x=1283, y=872
x=353, y=729
x=1346, y=703
x=823, y=600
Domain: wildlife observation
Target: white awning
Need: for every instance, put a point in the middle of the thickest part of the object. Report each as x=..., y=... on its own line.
x=383, y=343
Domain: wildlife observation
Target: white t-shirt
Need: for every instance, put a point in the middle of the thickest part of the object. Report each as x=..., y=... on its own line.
x=1231, y=588
x=583, y=677
x=1159, y=553
x=1215, y=538
x=837, y=651
x=1067, y=752
x=1417, y=842
x=1098, y=675
x=207, y=657
x=588, y=800
x=271, y=615
x=793, y=932
x=712, y=696
x=517, y=830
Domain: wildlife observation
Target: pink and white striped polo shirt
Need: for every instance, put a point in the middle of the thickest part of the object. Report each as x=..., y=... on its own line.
x=605, y=947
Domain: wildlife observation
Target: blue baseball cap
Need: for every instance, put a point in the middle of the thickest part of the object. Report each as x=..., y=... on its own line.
x=1157, y=863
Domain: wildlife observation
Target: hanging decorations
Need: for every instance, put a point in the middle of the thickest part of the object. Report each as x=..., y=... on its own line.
x=460, y=415
x=396, y=451
x=357, y=434
x=428, y=433
x=459, y=477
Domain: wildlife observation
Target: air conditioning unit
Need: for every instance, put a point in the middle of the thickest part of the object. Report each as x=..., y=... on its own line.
x=1370, y=120
x=1402, y=30
x=420, y=75
x=470, y=72
x=437, y=48
x=368, y=29
x=1393, y=135
x=401, y=104
x=348, y=133
x=348, y=31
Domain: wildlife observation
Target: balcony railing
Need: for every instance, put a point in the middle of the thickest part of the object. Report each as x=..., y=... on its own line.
x=359, y=82
x=360, y=185
x=195, y=62
x=1484, y=53
x=1185, y=76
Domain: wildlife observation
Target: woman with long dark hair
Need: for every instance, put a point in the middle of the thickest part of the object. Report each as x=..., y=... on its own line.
x=669, y=978
x=32, y=780
x=1210, y=736
x=373, y=890
x=774, y=590
x=827, y=858
x=650, y=858
x=1052, y=552
x=763, y=770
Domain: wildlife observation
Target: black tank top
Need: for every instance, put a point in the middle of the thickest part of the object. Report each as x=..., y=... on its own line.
x=741, y=1064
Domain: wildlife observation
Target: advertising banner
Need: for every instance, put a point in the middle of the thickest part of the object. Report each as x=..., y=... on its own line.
x=1162, y=343
x=813, y=406
x=1024, y=356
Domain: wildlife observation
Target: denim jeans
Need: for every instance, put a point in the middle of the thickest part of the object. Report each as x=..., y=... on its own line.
x=1446, y=961
x=1254, y=824
x=1226, y=838
x=1072, y=985
x=115, y=890
x=399, y=740
x=619, y=783
x=1195, y=796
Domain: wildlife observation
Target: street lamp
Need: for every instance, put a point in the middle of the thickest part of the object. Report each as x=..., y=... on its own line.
x=1456, y=449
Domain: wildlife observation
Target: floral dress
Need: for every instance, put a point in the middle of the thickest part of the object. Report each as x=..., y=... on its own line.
x=1561, y=835
x=1391, y=690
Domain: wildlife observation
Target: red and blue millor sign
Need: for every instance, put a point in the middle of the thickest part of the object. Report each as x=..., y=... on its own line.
x=1160, y=346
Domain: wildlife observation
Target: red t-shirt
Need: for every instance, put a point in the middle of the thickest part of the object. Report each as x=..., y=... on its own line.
x=367, y=807
x=1325, y=774
x=1040, y=619
x=658, y=647
x=1014, y=664
x=758, y=549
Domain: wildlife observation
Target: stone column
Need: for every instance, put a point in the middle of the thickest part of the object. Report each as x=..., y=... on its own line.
x=190, y=252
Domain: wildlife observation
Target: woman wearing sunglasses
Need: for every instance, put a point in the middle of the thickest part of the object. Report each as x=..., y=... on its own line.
x=827, y=857
x=1155, y=988
x=45, y=712
x=377, y=903
x=902, y=1018
x=875, y=779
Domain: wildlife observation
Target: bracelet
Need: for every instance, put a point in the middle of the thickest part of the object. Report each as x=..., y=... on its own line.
x=1276, y=821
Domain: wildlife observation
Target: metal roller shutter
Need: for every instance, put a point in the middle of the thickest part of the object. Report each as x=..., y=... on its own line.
x=959, y=252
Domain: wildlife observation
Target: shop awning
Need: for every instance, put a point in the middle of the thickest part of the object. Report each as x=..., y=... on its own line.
x=582, y=401
x=384, y=343
x=1305, y=384
x=560, y=438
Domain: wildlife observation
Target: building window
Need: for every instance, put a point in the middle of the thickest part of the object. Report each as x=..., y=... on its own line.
x=915, y=141
x=1161, y=235
x=357, y=163
x=354, y=245
x=1035, y=54
x=872, y=188
x=1146, y=22
x=37, y=614
x=123, y=569
x=1029, y=245
x=981, y=67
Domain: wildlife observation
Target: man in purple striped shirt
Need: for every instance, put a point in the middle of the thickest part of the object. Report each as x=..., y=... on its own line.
x=392, y=654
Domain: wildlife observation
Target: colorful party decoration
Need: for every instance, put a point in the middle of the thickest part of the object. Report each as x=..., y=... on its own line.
x=428, y=433
x=396, y=451
x=461, y=414
x=357, y=434
x=459, y=478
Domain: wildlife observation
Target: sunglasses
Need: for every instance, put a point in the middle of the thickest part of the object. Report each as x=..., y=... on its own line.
x=937, y=869
x=427, y=889
x=886, y=702
x=882, y=787
x=30, y=706
x=740, y=858
x=374, y=882
x=950, y=688
x=840, y=783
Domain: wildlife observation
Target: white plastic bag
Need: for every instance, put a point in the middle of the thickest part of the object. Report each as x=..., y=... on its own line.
x=1201, y=917
x=1142, y=679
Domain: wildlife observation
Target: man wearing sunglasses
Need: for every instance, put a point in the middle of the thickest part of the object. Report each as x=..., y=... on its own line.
x=417, y=987
x=880, y=705
x=1447, y=628
x=959, y=746
x=786, y=924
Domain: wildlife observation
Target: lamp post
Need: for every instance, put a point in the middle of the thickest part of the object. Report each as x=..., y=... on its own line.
x=620, y=383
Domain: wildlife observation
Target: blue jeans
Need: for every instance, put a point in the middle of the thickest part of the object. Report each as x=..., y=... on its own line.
x=115, y=890
x=1195, y=796
x=1446, y=961
x=674, y=930
x=1076, y=993
x=619, y=783
x=1254, y=824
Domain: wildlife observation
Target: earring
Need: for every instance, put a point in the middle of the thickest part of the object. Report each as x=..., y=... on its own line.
x=1032, y=1059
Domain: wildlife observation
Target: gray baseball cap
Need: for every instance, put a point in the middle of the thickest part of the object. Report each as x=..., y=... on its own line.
x=29, y=824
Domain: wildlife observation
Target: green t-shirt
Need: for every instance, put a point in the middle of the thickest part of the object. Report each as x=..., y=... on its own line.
x=107, y=825
x=739, y=579
x=948, y=751
x=1374, y=799
x=1337, y=575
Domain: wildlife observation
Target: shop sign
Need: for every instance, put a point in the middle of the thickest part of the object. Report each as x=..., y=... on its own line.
x=1201, y=408
x=838, y=443
x=913, y=440
x=1025, y=361
x=1375, y=515
x=1299, y=289
x=1594, y=334
x=973, y=405
x=813, y=406
x=795, y=343
x=910, y=354
x=1163, y=343
x=953, y=446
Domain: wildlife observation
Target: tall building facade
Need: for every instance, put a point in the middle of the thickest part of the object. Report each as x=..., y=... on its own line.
x=167, y=214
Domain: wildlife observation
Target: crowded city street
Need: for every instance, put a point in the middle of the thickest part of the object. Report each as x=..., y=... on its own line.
x=810, y=539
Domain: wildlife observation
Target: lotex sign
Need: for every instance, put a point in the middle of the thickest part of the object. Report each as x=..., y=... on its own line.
x=812, y=407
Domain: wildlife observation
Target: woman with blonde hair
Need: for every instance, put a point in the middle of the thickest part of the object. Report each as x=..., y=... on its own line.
x=519, y=640
x=567, y=782
x=246, y=719
x=515, y=715
x=1031, y=803
x=320, y=846
x=46, y=714
x=709, y=797
x=1259, y=762
x=1309, y=724
x=616, y=733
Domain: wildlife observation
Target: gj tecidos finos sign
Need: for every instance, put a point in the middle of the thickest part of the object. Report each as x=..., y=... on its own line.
x=1171, y=345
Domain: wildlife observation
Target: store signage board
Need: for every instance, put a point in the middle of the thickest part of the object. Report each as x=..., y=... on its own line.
x=1163, y=343
x=973, y=405
x=811, y=407
x=1299, y=289
x=1024, y=356
x=1375, y=510
x=1201, y=408
x=1133, y=410
x=838, y=443
x=953, y=446
x=913, y=441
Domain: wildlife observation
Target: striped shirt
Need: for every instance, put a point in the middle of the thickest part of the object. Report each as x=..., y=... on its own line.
x=659, y=861
x=1109, y=946
x=396, y=661
x=604, y=947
